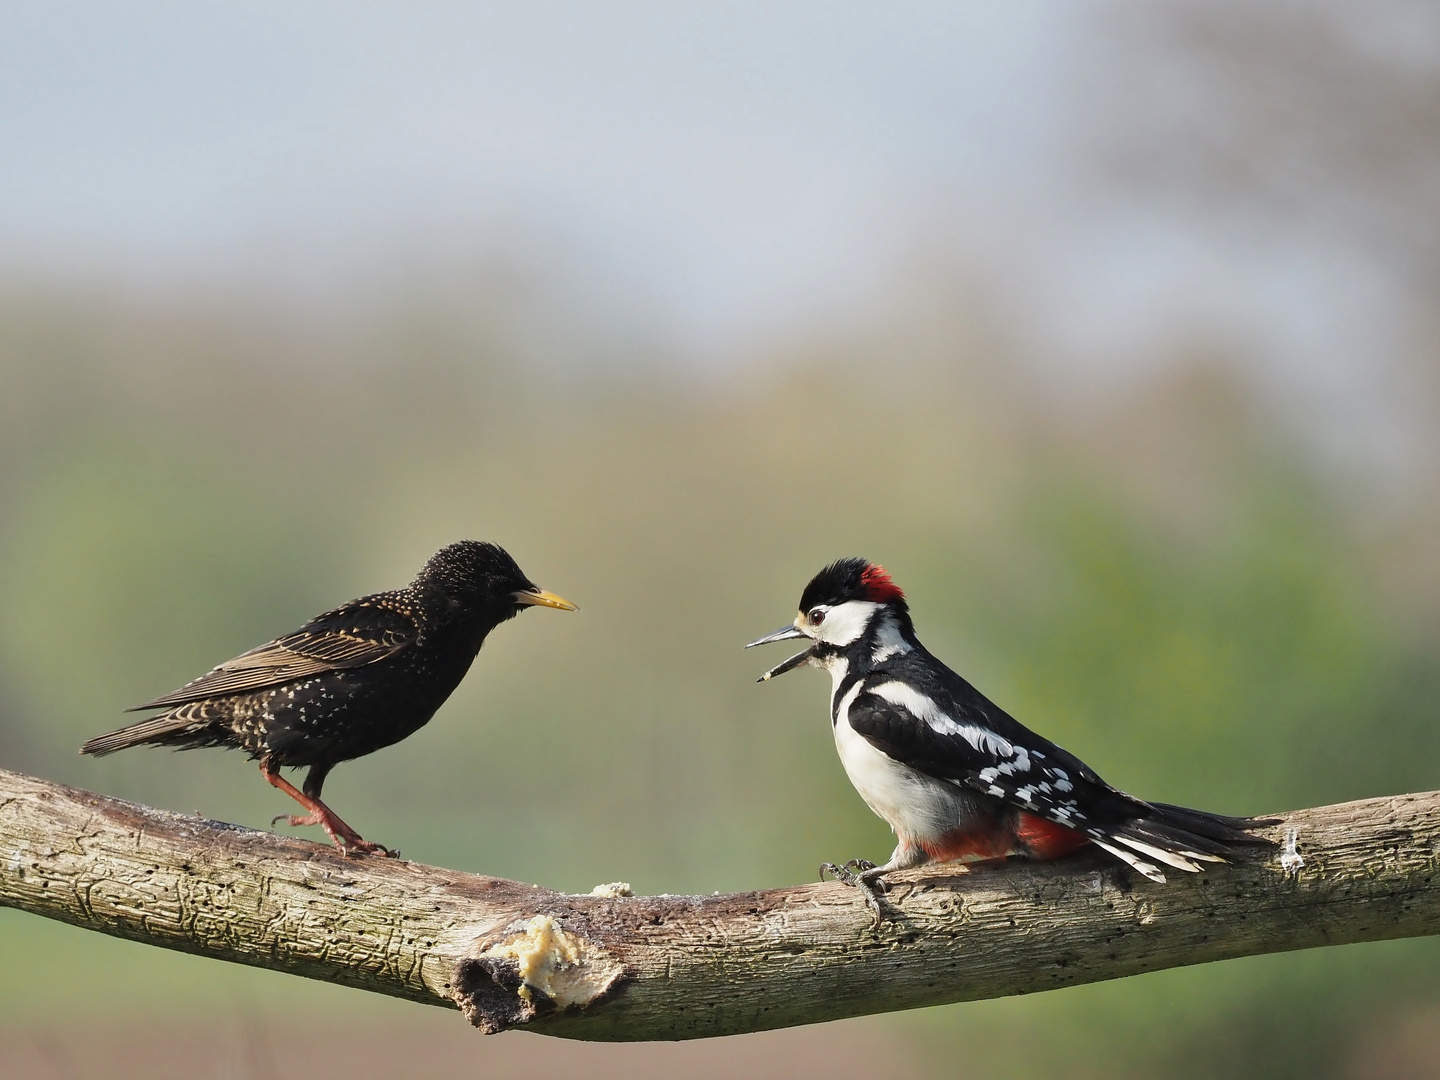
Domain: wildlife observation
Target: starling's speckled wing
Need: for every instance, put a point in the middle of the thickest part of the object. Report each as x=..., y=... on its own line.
x=359, y=633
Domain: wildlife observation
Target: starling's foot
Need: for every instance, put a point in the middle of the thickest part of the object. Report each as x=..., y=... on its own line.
x=350, y=842
x=358, y=846
x=345, y=839
x=855, y=873
x=295, y=819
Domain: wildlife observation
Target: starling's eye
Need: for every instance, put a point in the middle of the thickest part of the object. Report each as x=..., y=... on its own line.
x=817, y=616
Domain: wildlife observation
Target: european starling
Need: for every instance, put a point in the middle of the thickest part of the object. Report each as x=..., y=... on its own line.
x=349, y=681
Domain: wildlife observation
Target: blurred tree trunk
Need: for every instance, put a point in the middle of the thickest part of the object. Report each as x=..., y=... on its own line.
x=620, y=967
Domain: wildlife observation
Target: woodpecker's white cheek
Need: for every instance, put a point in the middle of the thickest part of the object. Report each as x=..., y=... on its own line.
x=846, y=622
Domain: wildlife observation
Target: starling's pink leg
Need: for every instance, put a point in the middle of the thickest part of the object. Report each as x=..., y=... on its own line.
x=343, y=836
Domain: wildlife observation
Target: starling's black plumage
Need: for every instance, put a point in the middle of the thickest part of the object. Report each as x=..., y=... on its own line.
x=349, y=681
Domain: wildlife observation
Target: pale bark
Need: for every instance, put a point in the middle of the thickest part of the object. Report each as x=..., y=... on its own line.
x=682, y=967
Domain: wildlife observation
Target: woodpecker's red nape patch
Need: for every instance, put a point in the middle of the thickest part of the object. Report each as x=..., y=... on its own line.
x=879, y=589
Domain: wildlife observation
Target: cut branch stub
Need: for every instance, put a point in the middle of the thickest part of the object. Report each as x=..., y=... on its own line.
x=535, y=967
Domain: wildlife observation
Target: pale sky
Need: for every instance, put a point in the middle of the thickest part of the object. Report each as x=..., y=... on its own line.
x=735, y=160
x=723, y=169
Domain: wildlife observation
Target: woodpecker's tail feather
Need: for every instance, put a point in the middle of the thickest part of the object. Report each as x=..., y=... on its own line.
x=174, y=729
x=1220, y=828
x=1180, y=838
x=1149, y=870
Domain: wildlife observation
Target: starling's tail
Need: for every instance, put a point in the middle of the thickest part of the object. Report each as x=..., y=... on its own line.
x=1181, y=838
x=173, y=729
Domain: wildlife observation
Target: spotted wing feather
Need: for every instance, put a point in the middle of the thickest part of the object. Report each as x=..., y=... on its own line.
x=357, y=634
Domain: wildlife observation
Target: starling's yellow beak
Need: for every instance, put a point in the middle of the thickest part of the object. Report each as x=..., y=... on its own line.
x=541, y=598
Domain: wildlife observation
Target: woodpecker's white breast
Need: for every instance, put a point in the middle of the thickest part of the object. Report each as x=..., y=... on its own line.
x=914, y=805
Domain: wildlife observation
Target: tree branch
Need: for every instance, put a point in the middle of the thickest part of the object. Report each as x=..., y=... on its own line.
x=682, y=967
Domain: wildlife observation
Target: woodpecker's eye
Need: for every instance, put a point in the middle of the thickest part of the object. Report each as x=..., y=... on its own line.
x=817, y=616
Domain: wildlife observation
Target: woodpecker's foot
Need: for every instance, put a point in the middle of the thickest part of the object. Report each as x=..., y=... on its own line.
x=846, y=872
x=860, y=874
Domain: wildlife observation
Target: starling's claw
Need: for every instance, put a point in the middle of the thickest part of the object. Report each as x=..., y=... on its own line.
x=295, y=819
x=367, y=847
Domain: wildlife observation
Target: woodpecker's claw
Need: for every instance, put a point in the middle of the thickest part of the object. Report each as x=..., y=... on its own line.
x=847, y=873
x=855, y=873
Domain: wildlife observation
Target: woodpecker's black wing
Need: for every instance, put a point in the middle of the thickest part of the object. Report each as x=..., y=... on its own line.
x=361, y=632
x=964, y=748
x=950, y=731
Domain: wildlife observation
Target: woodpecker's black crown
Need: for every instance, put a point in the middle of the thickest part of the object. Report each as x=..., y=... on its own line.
x=475, y=572
x=852, y=579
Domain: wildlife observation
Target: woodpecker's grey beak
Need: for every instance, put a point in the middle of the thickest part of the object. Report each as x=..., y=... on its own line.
x=787, y=665
x=785, y=633
x=542, y=598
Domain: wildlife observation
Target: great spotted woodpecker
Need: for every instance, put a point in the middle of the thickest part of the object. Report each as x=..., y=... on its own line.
x=954, y=775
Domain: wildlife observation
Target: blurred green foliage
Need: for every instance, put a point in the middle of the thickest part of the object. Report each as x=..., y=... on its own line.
x=1192, y=613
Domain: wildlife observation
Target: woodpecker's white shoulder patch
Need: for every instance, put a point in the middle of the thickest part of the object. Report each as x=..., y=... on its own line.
x=926, y=709
x=888, y=642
